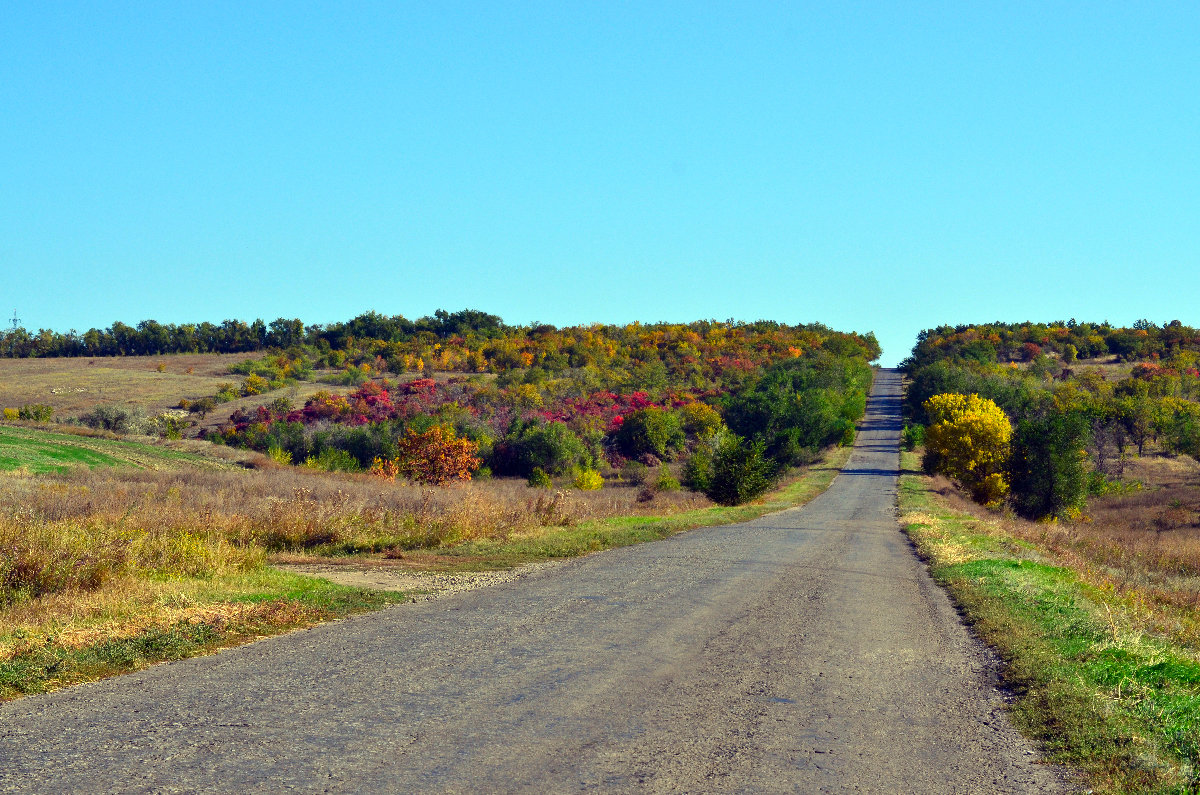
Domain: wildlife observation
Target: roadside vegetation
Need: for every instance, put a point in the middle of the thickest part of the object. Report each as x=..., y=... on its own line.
x=130, y=534
x=111, y=569
x=1061, y=508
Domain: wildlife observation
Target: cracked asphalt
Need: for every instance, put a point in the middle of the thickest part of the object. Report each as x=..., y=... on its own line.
x=807, y=651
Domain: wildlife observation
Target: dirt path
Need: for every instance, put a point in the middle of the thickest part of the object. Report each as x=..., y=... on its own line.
x=806, y=651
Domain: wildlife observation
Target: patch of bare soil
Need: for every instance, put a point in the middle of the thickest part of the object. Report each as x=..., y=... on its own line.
x=422, y=585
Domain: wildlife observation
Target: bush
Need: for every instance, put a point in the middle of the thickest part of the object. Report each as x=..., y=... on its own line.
x=255, y=384
x=587, y=480
x=968, y=441
x=202, y=406
x=538, y=479
x=12, y=414
x=279, y=455
x=35, y=412
x=167, y=426
x=740, y=471
x=665, y=480
x=697, y=470
x=109, y=418
x=437, y=456
x=650, y=430
x=551, y=447
x=701, y=420
x=846, y=432
x=913, y=436
x=331, y=459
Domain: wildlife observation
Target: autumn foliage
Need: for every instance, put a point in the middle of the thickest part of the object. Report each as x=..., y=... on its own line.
x=968, y=440
x=436, y=456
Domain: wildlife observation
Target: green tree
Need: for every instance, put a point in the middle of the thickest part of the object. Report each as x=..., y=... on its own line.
x=650, y=430
x=1047, y=464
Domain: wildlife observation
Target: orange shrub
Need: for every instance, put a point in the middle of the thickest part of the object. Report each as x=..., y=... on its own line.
x=437, y=456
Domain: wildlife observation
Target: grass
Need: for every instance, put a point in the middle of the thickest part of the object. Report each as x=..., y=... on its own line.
x=141, y=623
x=75, y=385
x=40, y=451
x=112, y=569
x=1107, y=679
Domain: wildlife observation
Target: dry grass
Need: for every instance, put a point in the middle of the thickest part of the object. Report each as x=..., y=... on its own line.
x=1143, y=547
x=80, y=530
x=73, y=386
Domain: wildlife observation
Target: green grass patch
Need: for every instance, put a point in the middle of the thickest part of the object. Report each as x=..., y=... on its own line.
x=1100, y=695
x=41, y=452
x=244, y=607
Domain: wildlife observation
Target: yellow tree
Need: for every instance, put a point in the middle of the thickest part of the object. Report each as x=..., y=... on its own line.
x=968, y=440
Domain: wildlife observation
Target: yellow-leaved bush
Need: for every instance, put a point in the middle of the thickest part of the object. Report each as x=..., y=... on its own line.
x=968, y=440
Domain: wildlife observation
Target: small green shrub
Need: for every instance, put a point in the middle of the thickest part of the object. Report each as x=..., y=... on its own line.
x=740, y=471
x=913, y=436
x=665, y=480
x=697, y=470
x=110, y=418
x=549, y=446
x=650, y=430
x=331, y=459
x=538, y=479
x=848, y=431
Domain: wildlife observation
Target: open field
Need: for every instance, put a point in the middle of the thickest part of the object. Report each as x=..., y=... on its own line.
x=1096, y=620
x=73, y=386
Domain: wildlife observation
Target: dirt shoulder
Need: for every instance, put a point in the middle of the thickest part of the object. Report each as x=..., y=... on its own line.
x=382, y=575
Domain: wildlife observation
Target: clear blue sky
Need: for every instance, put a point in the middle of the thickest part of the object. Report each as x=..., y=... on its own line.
x=872, y=166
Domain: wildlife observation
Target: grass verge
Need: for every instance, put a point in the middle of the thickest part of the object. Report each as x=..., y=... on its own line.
x=1100, y=692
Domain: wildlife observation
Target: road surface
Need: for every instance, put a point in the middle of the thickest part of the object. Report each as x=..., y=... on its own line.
x=806, y=651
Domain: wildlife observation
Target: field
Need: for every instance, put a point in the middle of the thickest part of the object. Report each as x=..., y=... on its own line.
x=73, y=386
x=38, y=451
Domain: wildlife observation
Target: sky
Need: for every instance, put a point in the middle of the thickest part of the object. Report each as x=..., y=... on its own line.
x=883, y=167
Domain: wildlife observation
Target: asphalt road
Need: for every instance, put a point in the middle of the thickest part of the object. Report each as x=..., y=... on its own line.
x=806, y=651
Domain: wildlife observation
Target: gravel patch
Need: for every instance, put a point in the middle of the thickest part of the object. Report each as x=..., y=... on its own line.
x=424, y=585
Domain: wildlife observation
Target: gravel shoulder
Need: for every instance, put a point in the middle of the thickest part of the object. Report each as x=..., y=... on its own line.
x=804, y=651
